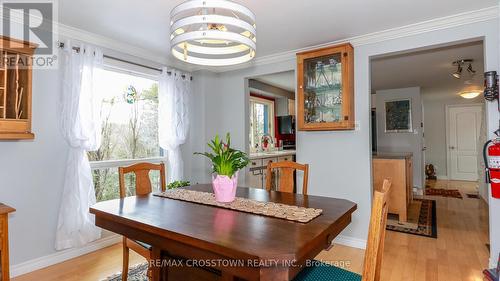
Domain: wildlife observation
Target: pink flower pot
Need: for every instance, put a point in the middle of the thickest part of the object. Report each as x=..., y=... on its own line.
x=225, y=188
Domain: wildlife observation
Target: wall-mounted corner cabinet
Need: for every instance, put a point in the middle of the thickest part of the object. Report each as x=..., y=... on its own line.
x=326, y=89
x=15, y=89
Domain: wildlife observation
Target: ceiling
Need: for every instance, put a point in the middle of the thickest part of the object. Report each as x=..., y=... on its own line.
x=284, y=80
x=282, y=25
x=428, y=68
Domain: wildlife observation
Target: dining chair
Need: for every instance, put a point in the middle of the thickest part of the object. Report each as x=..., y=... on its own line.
x=142, y=187
x=374, y=248
x=286, y=175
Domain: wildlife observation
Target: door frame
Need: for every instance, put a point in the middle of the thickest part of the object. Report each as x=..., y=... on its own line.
x=447, y=125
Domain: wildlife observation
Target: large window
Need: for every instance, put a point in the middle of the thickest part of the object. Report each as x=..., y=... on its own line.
x=261, y=120
x=129, y=111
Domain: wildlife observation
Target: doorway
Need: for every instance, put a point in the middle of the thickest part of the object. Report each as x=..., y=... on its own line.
x=429, y=111
x=463, y=128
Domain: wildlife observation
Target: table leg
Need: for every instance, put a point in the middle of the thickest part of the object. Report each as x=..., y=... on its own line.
x=157, y=267
x=227, y=277
x=274, y=274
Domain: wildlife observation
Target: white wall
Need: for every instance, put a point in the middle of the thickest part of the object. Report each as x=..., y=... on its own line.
x=403, y=141
x=435, y=101
x=340, y=161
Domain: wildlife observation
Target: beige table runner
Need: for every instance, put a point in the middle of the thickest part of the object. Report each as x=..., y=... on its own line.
x=270, y=209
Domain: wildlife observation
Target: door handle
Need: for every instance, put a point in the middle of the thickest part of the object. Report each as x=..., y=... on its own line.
x=452, y=147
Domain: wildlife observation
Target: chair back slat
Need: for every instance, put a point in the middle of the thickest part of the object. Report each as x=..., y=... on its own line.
x=376, y=234
x=286, y=175
x=142, y=179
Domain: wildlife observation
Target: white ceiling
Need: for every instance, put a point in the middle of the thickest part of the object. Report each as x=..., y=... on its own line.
x=284, y=80
x=282, y=25
x=427, y=69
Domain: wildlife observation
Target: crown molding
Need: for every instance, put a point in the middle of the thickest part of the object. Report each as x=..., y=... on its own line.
x=379, y=36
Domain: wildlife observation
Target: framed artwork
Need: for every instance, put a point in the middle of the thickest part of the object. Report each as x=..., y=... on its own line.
x=398, y=116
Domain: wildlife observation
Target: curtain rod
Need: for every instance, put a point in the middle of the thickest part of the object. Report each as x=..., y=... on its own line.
x=77, y=49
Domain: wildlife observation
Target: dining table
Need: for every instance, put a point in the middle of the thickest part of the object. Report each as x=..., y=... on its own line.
x=200, y=242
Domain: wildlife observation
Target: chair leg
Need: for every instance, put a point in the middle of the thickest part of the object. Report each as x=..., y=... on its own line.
x=125, y=260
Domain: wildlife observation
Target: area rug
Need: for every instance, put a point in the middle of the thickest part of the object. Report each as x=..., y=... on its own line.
x=472, y=195
x=137, y=272
x=454, y=193
x=421, y=219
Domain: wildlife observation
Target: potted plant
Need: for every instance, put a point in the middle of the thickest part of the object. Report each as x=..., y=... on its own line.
x=226, y=162
x=177, y=184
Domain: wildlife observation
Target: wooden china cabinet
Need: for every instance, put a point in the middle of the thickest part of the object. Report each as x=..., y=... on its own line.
x=326, y=89
x=15, y=88
x=4, y=241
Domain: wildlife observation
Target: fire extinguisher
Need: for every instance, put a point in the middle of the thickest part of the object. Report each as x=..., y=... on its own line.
x=491, y=154
x=491, y=149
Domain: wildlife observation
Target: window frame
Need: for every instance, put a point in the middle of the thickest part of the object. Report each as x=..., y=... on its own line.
x=271, y=105
x=112, y=164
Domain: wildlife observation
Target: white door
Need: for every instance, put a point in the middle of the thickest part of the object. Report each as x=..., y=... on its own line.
x=464, y=125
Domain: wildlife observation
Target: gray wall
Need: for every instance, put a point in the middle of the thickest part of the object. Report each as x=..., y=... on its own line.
x=435, y=102
x=32, y=174
x=403, y=141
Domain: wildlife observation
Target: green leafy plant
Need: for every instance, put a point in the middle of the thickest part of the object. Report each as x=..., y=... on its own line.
x=177, y=184
x=225, y=160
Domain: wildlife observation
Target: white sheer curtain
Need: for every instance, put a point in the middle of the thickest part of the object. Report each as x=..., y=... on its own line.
x=80, y=125
x=173, y=118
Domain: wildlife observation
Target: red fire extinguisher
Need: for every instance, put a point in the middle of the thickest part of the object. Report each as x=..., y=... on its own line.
x=491, y=149
x=491, y=154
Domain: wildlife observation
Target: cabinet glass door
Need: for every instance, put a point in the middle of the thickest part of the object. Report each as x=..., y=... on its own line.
x=323, y=89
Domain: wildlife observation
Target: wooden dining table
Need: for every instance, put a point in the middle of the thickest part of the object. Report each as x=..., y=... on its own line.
x=200, y=242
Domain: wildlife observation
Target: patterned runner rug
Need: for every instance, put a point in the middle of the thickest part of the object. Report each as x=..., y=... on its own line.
x=421, y=219
x=138, y=272
x=454, y=193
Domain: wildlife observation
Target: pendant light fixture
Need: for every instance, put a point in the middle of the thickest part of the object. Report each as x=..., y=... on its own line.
x=212, y=33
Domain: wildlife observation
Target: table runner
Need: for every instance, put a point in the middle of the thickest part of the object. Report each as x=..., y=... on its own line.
x=269, y=209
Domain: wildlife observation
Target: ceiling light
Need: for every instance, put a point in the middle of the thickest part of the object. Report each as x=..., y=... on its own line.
x=460, y=63
x=214, y=33
x=458, y=74
x=470, y=70
x=469, y=94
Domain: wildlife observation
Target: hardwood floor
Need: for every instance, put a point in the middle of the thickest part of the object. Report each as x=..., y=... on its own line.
x=459, y=253
x=91, y=267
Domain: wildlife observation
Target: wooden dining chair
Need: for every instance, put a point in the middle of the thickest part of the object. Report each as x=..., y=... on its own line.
x=374, y=248
x=286, y=176
x=142, y=187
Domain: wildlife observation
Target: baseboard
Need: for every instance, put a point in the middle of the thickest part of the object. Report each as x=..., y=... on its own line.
x=493, y=262
x=442, y=177
x=350, y=242
x=61, y=256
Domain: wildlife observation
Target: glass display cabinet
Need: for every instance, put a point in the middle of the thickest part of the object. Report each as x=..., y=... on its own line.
x=15, y=88
x=325, y=89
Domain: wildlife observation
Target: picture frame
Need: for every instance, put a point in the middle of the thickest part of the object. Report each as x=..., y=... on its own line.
x=398, y=117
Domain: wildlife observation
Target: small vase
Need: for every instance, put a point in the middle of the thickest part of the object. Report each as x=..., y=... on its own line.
x=224, y=187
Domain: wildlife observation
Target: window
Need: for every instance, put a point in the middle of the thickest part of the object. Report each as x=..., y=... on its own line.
x=129, y=111
x=261, y=120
